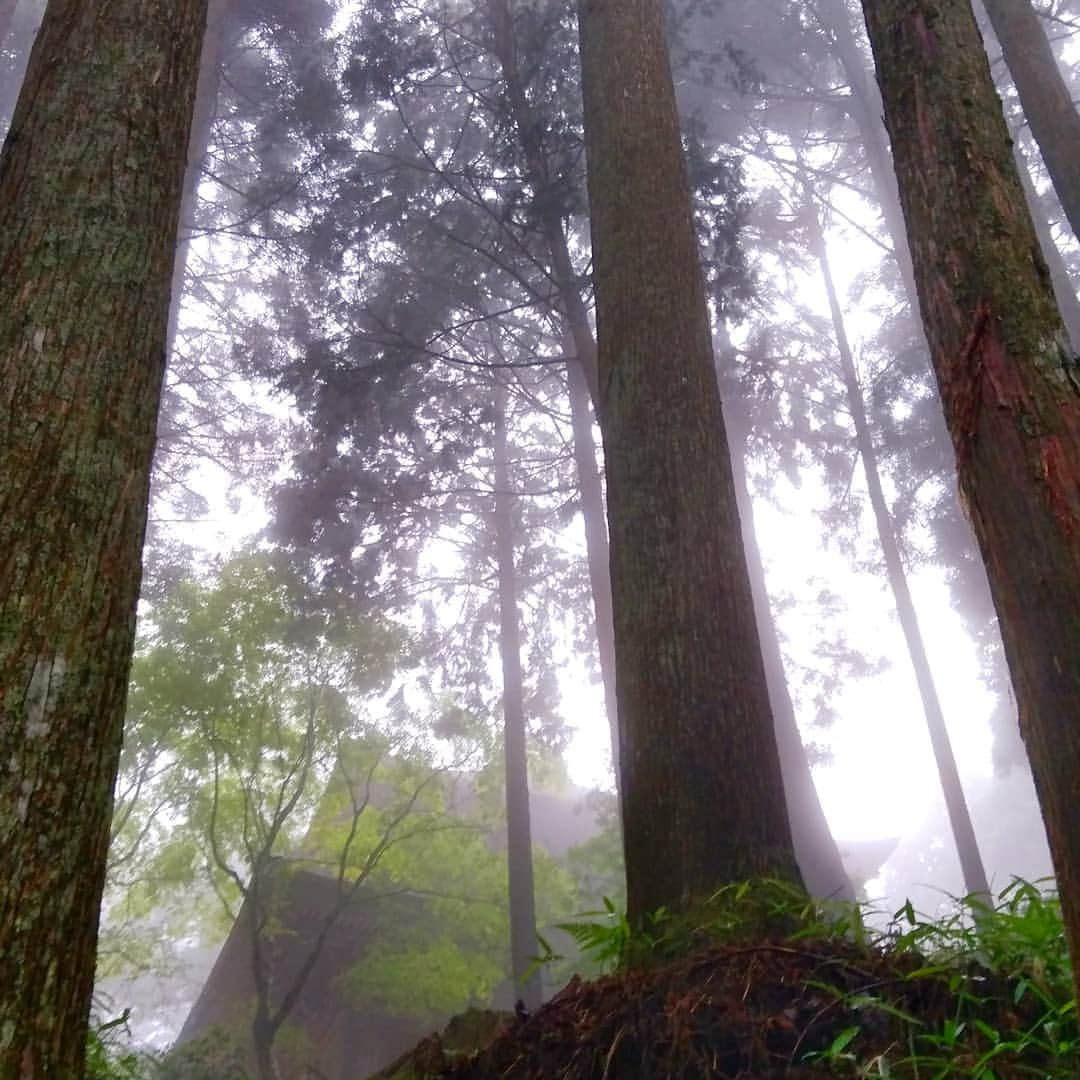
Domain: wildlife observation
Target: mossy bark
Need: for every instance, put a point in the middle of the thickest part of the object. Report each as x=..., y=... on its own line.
x=1009, y=385
x=703, y=802
x=90, y=182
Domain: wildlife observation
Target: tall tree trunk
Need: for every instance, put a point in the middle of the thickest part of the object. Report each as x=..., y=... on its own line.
x=1046, y=101
x=530, y=132
x=967, y=847
x=815, y=849
x=206, y=95
x=596, y=545
x=866, y=110
x=1064, y=292
x=703, y=802
x=264, y=1047
x=581, y=372
x=1009, y=385
x=518, y=827
x=90, y=185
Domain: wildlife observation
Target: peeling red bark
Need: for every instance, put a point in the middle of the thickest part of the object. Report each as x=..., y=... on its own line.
x=1009, y=383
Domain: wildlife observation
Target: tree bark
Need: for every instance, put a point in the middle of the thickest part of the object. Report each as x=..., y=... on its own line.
x=815, y=849
x=260, y=896
x=967, y=847
x=1009, y=385
x=523, y=945
x=703, y=801
x=90, y=185
x=1045, y=98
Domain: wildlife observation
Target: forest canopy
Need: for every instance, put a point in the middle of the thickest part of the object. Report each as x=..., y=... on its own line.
x=515, y=510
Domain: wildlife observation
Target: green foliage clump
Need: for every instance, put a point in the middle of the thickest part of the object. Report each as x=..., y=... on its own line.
x=742, y=911
x=215, y=1055
x=984, y=992
x=108, y=1055
x=1007, y=968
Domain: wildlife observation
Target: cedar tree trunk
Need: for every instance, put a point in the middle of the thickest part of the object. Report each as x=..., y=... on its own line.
x=1064, y=292
x=545, y=207
x=1045, y=98
x=581, y=371
x=90, y=184
x=703, y=802
x=217, y=21
x=967, y=847
x=815, y=849
x=1009, y=385
x=596, y=543
x=518, y=827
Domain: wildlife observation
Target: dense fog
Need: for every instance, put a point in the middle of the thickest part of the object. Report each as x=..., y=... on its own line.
x=375, y=578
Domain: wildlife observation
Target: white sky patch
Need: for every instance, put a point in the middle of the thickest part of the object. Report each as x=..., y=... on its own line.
x=45, y=682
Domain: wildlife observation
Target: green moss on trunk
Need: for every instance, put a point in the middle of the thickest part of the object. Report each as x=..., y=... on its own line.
x=1009, y=384
x=90, y=181
x=702, y=797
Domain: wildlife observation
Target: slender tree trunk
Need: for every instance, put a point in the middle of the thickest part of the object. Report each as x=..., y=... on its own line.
x=867, y=110
x=518, y=828
x=206, y=95
x=1064, y=292
x=263, y=1038
x=547, y=209
x=90, y=185
x=260, y=894
x=703, y=802
x=1046, y=101
x=967, y=847
x=596, y=545
x=815, y=849
x=581, y=373
x=1009, y=385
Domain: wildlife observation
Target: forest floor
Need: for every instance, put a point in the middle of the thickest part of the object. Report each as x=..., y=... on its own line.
x=792, y=1008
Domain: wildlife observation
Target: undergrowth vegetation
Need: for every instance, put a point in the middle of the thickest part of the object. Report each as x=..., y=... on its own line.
x=761, y=981
x=982, y=991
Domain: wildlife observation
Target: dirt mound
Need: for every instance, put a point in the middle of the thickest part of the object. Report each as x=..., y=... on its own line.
x=773, y=1009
